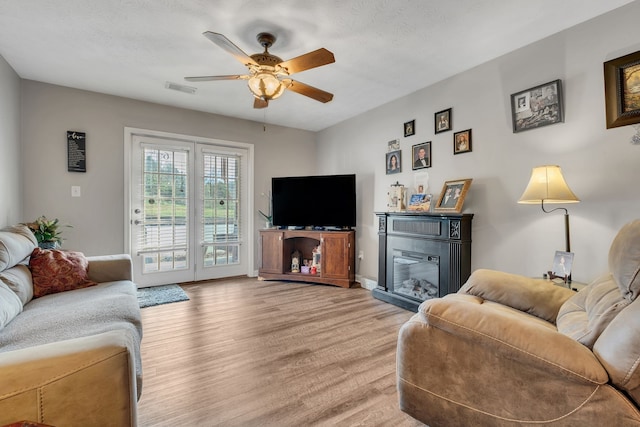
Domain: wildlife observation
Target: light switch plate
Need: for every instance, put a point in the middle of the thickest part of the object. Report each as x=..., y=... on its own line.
x=75, y=191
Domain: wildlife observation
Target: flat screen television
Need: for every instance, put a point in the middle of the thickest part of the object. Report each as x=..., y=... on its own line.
x=327, y=201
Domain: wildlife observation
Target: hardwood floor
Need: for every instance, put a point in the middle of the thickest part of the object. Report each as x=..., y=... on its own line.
x=244, y=352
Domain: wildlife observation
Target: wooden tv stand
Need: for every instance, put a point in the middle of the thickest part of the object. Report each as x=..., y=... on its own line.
x=337, y=255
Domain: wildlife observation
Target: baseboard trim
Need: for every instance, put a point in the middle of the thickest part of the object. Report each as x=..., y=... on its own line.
x=366, y=283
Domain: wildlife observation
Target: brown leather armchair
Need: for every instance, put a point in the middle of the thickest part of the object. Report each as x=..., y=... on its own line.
x=509, y=350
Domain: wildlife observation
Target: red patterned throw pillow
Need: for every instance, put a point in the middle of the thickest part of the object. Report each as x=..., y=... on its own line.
x=57, y=271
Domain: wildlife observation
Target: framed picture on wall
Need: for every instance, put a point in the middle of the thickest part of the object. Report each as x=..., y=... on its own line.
x=622, y=90
x=421, y=155
x=410, y=128
x=462, y=142
x=452, y=195
x=393, y=162
x=538, y=106
x=442, y=120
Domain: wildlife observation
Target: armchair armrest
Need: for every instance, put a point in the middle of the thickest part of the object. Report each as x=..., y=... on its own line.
x=518, y=336
x=78, y=382
x=538, y=297
x=462, y=360
x=109, y=268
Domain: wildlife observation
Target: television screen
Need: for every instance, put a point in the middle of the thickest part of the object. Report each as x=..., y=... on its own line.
x=318, y=201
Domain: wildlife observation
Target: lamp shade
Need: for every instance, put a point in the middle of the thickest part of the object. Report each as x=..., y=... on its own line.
x=547, y=184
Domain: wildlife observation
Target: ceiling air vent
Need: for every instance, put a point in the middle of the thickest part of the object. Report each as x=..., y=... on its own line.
x=180, y=88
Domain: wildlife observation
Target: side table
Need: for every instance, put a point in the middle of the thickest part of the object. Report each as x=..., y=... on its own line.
x=574, y=286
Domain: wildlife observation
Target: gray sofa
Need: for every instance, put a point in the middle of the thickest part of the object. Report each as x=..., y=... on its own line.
x=70, y=358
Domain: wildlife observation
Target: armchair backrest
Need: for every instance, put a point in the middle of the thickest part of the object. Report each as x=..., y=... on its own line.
x=605, y=316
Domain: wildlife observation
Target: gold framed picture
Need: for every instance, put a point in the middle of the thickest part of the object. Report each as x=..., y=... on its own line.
x=622, y=90
x=452, y=195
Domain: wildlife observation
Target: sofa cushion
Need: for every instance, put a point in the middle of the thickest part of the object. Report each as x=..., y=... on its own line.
x=624, y=260
x=55, y=271
x=584, y=316
x=10, y=305
x=79, y=313
x=16, y=244
x=18, y=279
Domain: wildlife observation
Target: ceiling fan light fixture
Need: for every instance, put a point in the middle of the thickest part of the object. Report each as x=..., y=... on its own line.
x=265, y=85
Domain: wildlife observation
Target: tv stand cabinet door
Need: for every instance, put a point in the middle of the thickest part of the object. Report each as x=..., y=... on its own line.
x=338, y=255
x=272, y=243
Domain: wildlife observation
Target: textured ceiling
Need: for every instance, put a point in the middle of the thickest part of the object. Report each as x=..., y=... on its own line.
x=384, y=49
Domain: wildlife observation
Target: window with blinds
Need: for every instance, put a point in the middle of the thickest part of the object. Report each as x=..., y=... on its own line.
x=164, y=241
x=220, y=218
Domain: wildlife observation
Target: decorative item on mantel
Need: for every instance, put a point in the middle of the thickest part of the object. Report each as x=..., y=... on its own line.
x=47, y=232
x=396, y=195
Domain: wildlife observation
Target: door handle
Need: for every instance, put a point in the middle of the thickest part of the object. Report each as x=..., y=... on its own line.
x=137, y=222
x=137, y=211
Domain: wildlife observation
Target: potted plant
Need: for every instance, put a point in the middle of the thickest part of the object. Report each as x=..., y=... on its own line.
x=47, y=232
x=268, y=218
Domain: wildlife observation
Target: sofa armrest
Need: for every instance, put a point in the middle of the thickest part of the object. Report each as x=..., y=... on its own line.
x=79, y=382
x=538, y=297
x=109, y=268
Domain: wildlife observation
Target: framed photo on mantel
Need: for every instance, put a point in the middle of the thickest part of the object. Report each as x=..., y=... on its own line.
x=452, y=195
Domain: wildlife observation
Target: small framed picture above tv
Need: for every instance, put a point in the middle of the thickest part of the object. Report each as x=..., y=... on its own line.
x=325, y=201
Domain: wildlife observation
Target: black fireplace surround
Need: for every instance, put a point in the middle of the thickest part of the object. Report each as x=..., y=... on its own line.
x=422, y=256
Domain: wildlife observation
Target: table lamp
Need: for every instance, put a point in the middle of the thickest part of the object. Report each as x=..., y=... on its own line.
x=547, y=185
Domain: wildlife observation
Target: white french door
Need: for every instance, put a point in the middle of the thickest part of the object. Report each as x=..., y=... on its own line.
x=187, y=211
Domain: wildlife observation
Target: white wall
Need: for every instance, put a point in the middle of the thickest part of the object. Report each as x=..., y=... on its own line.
x=600, y=165
x=10, y=185
x=97, y=217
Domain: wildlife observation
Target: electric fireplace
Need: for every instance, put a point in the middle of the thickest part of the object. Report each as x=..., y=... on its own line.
x=422, y=256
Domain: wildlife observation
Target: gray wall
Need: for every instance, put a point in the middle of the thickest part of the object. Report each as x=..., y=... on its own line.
x=10, y=184
x=600, y=165
x=97, y=217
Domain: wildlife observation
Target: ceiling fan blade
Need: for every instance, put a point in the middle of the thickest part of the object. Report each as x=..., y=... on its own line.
x=260, y=103
x=309, y=60
x=228, y=45
x=310, y=91
x=210, y=78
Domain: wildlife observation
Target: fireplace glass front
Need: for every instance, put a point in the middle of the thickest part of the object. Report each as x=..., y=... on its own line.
x=416, y=275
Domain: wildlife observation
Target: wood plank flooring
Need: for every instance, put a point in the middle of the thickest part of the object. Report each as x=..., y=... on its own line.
x=244, y=352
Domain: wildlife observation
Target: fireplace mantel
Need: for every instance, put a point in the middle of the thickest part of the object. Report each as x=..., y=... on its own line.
x=439, y=245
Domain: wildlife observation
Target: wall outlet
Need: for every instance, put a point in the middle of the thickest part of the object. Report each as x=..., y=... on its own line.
x=75, y=191
x=361, y=255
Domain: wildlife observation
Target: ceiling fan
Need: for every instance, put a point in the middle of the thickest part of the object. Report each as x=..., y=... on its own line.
x=269, y=75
